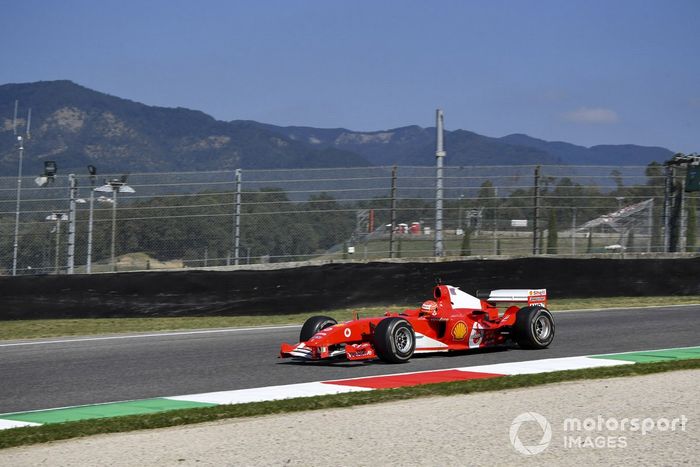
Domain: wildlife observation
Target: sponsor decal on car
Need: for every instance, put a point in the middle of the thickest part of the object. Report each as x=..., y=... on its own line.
x=459, y=330
x=359, y=352
x=537, y=297
x=476, y=336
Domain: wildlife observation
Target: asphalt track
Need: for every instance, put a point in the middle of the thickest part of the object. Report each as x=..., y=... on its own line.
x=75, y=371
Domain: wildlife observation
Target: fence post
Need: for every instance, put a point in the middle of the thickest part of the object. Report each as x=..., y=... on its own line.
x=57, y=254
x=495, y=220
x=535, y=223
x=71, y=222
x=683, y=230
x=237, y=220
x=650, y=220
x=113, y=249
x=88, y=263
x=573, y=232
x=392, y=212
x=667, y=208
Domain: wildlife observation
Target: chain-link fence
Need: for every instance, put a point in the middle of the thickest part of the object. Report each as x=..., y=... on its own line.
x=196, y=219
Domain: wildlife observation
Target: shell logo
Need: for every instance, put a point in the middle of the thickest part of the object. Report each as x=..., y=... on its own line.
x=459, y=330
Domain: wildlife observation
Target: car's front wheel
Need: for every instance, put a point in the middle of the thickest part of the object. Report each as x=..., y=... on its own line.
x=394, y=340
x=313, y=325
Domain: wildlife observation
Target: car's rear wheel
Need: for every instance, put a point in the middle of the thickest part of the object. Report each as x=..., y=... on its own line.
x=313, y=325
x=534, y=327
x=394, y=340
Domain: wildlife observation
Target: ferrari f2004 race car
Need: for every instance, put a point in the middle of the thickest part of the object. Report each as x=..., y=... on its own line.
x=453, y=321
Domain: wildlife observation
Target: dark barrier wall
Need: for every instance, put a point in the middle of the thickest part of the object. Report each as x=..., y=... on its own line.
x=312, y=288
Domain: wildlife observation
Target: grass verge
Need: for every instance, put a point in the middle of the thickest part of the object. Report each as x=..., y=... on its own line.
x=41, y=328
x=32, y=435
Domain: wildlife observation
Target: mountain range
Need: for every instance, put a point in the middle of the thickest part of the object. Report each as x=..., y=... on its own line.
x=76, y=126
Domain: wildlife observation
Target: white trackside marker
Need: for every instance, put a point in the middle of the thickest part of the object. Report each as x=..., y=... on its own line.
x=5, y=424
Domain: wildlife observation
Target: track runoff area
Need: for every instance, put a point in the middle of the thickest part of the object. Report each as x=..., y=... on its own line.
x=320, y=388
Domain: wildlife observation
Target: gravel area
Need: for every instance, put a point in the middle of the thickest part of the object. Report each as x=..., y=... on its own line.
x=615, y=415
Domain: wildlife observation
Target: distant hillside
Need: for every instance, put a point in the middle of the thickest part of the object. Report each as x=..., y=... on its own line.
x=413, y=145
x=76, y=126
x=623, y=154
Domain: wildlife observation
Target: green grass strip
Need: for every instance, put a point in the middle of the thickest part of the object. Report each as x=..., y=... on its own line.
x=59, y=431
x=112, y=409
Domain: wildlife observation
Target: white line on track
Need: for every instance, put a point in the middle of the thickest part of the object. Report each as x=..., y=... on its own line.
x=264, y=328
x=160, y=334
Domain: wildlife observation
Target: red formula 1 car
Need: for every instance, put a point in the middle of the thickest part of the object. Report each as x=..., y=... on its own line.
x=454, y=320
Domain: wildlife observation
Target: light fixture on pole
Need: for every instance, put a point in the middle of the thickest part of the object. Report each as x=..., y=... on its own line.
x=49, y=174
x=58, y=217
x=116, y=185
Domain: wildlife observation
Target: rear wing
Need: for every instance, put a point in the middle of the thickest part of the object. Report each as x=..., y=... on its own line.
x=531, y=296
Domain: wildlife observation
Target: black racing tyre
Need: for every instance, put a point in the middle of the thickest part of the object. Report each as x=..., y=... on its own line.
x=534, y=327
x=313, y=325
x=394, y=340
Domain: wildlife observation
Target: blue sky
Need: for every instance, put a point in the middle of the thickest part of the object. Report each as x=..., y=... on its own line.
x=587, y=72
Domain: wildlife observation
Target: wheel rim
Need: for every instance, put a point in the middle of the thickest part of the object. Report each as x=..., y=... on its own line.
x=542, y=328
x=403, y=340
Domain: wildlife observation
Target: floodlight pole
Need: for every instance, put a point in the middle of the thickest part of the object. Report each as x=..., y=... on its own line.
x=19, y=194
x=71, y=222
x=439, y=156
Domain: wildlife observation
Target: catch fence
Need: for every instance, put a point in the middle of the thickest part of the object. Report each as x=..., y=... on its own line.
x=204, y=219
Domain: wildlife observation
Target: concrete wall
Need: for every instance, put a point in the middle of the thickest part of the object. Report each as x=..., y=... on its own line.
x=311, y=288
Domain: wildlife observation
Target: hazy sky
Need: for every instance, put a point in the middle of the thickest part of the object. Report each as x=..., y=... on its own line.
x=587, y=72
